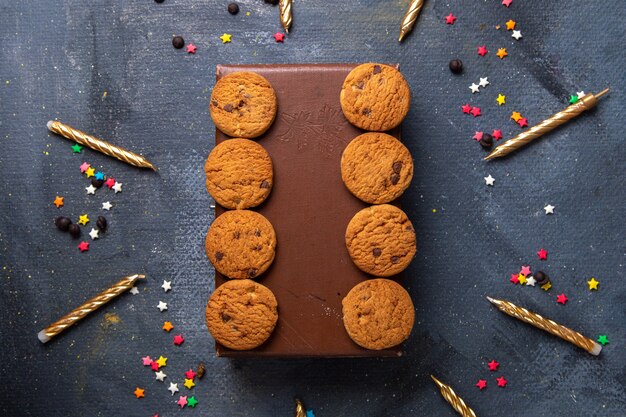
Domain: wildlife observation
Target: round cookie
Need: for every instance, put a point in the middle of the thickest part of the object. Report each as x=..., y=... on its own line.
x=378, y=314
x=376, y=167
x=241, y=244
x=241, y=314
x=381, y=240
x=239, y=174
x=375, y=97
x=243, y=104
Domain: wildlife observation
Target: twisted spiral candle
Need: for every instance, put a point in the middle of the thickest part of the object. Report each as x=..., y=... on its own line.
x=286, y=15
x=586, y=102
x=547, y=325
x=99, y=145
x=455, y=401
x=87, y=307
x=408, y=21
x=300, y=411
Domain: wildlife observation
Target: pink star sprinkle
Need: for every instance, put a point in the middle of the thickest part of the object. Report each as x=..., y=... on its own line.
x=482, y=384
x=525, y=270
x=280, y=37
x=450, y=19
x=477, y=136
x=84, y=167
x=542, y=254
x=190, y=374
x=83, y=246
x=182, y=401
x=493, y=365
x=497, y=134
x=466, y=108
x=507, y=3
x=475, y=111
x=482, y=50
x=561, y=299
x=514, y=279
x=501, y=382
x=523, y=122
x=178, y=339
x=191, y=48
x=147, y=361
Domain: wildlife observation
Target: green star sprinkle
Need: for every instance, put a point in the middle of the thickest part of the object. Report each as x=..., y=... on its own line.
x=191, y=402
x=573, y=99
x=77, y=148
x=603, y=339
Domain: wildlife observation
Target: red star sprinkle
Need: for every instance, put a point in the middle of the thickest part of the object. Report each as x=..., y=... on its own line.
x=475, y=111
x=178, y=339
x=110, y=183
x=493, y=365
x=466, y=108
x=191, y=48
x=501, y=382
x=514, y=279
x=482, y=50
x=83, y=246
x=561, y=299
x=507, y=3
x=147, y=361
x=477, y=136
x=84, y=167
x=497, y=134
x=525, y=270
x=482, y=384
x=190, y=374
x=542, y=254
x=280, y=37
x=450, y=19
x=154, y=366
x=523, y=122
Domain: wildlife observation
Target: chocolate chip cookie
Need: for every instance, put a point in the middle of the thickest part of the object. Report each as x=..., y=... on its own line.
x=381, y=240
x=239, y=174
x=378, y=314
x=375, y=97
x=243, y=104
x=241, y=244
x=241, y=314
x=376, y=167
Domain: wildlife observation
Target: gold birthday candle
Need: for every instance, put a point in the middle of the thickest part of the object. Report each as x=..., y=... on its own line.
x=547, y=325
x=286, y=14
x=455, y=401
x=300, y=411
x=410, y=17
x=87, y=307
x=588, y=101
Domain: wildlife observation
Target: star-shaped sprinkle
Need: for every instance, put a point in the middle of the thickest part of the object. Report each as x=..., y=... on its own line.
x=94, y=234
x=139, y=392
x=117, y=187
x=522, y=279
x=76, y=148
x=192, y=402
x=110, y=182
x=107, y=205
x=179, y=339
x=190, y=374
x=191, y=48
x=482, y=384
x=90, y=172
x=476, y=111
x=83, y=246
x=475, y=88
x=516, y=116
x=146, y=360
x=561, y=299
x=517, y=34
x=501, y=382
x=160, y=376
x=593, y=284
x=484, y=82
x=154, y=366
x=523, y=122
x=510, y=25
x=279, y=37
x=84, y=167
x=546, y=286
x=167, y=285
x=493, y=365
x=490, y=180
x=525, y=270
x=466, y=108
x=162, y=361
x=99, y=176
x=226, y=37
x=514, y=279
x=189, y=384
x=173, y=388
x=162, y=306
x=580, y=94
x=182, y=401
x=507, y=3
x=531, y=281
x=84, y=219
x=573, y=99
x=482, y=50
x=542, y=254
x=497, y=134
x=603, y=339
x=477, y=136
x=450, y=19
x=91, y=189
x=501, y=100
x=502, y=53
x=549, y=209
x=167, y=326
x=58, y=201
x=134, y=291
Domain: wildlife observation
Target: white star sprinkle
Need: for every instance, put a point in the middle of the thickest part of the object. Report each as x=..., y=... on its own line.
x=474, y=87
x=94, y=234
x=173, y=388
x=162, y=306
x=580, y=94
x=484, y=82
x=549, y=209
x=517, y=35
x=107, y=205
x=134, y=291
x=160, y=376
x=490, y=180
x=531, y=281
x=117, y=187
x=91, y=189
x=167, y=285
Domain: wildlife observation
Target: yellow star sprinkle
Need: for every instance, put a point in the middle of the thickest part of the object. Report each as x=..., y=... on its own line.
x=593, y=284
x=189, y=383
x=84, y=219
x=522, y=279
x=501, y=53
x=516, y=116
x=510, y=25
x=90, y=172
x=161, y=361
x=546, y=286
x=501, y=99
x=226, y=37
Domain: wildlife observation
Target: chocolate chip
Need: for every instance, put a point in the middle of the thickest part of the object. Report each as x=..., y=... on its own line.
x=395, y=259
x=257, y=233
x=272, y=2
x=96, y=182
x=377, y=69
x=456, y=66
x=159, y=1
x=486, y=141
x=74, y=230
x=101, y=223
x=397, y=167
x=265, y=184
x=219, y=256
x=237, y=235
x=63, y=223
x=228, y=107
x=395, y=178
x=178, y=42
x=241, y=103
x=376, y=252
x=225, y=317
x=233, y=8
x=541, y=277
x=366, y=112
x=201, y=370
x=360, y=85
x=252, y=272
x=214, y=102
x=257, y=248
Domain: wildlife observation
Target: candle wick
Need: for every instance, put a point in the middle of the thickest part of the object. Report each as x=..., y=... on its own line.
x=603, y=92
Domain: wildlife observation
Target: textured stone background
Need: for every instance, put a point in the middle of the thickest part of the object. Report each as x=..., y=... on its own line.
x=57, y=59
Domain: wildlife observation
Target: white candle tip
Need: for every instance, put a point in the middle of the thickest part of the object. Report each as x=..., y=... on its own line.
x=43, y=337
x=49, y=124
x=596, y=349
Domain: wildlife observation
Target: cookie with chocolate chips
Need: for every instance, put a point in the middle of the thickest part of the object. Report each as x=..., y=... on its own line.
x=375, y=97
x=243, y=104
x=381, y=240
x=241, y=314
x=239, y=174
x=241, y=244
x=376, y=167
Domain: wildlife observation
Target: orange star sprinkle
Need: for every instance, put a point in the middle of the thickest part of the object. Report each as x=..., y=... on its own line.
x=139, y=392
x=510, y=25
x=167, y=326
x=516, y=116
x=502, y=53
x=58, y=201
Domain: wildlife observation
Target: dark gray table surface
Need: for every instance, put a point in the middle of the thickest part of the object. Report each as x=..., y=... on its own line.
x=57, y=61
